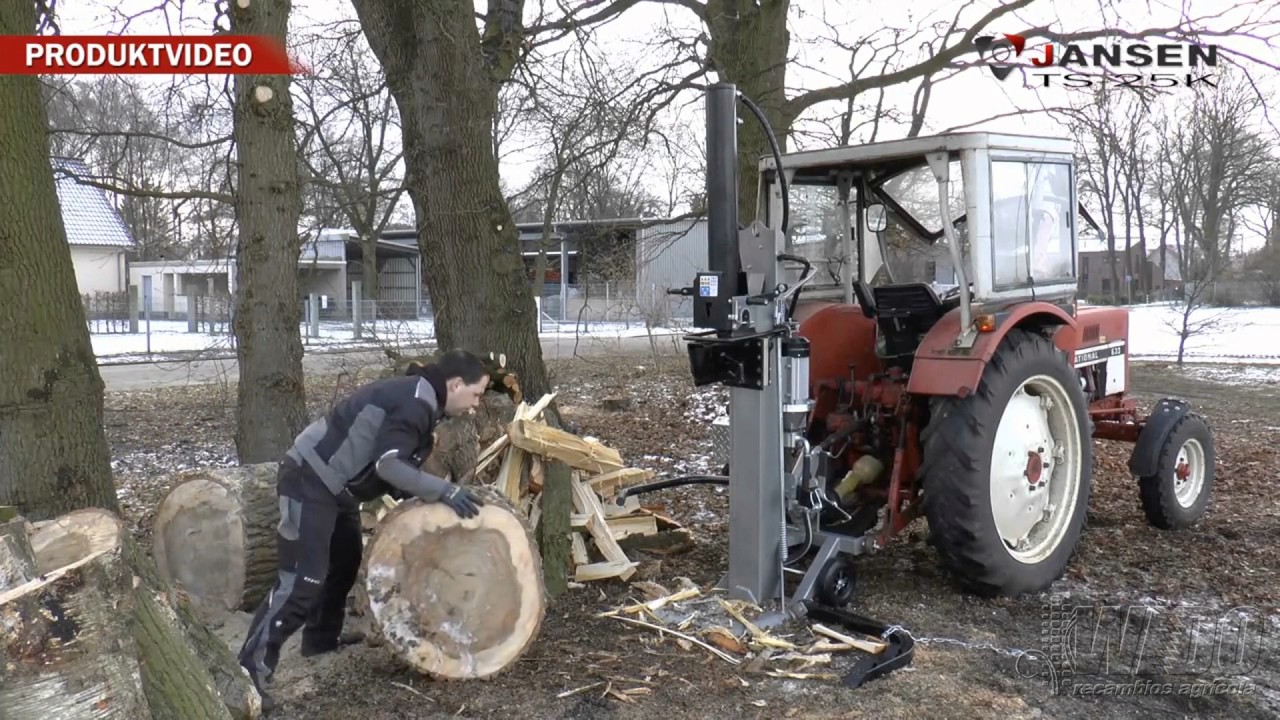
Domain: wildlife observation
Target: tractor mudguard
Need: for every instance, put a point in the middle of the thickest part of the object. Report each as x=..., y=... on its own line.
x=941, y=368
x=1146, y=452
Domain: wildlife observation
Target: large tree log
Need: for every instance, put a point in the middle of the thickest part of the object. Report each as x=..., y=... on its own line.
x=215, y=536
x=455, y=598
x=93, y=639
x=186, y=672
x=69, y=650
x=236, y=692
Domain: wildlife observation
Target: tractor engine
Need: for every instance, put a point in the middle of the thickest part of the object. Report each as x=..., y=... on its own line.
x=857, y=422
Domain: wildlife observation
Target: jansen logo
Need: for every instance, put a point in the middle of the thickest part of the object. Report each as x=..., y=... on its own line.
x=1162, y=65
x=997, y=51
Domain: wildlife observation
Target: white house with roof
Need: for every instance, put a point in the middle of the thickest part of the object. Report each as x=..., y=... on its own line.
x=98, y=237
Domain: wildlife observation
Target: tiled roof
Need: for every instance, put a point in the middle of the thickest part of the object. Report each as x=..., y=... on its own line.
x=86, y=212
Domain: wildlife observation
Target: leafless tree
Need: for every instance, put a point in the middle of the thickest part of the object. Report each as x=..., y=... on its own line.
x=268, y=312
x=1214, y=160
x=158, y=150
x=1096, y=123
x=750, y=45
x=349, y=142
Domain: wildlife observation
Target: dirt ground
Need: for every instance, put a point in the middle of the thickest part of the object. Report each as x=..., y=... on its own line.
x=967, y=663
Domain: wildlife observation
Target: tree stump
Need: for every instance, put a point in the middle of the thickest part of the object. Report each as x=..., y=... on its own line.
x=455, y=598
x=97, y=638
x=215, y=536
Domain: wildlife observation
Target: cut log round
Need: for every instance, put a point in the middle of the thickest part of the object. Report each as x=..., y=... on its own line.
x=215, y=536
x=74, y=536
x=455, y=598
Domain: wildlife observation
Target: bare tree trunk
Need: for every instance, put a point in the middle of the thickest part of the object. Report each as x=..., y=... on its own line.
x=444, y=79
x=272, y=402
x=749, y=47
x=369, y=267
x=53, y=451
x=544, y=245
x=1128, y=247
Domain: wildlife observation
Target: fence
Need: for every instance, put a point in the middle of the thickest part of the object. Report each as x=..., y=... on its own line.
x=200, y=323
x=210, y=314
x=609, y=302
x=107, y=312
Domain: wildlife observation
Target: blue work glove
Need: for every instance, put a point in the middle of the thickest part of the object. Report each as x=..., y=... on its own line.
x=462, y=502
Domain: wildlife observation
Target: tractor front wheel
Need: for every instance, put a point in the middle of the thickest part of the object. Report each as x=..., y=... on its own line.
x=1177, y=495
x=1006, y=471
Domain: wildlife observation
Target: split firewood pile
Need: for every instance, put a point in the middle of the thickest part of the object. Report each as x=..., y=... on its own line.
x=514, y=465
x=691, y=618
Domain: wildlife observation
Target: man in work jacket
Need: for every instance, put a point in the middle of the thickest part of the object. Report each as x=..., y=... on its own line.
x=369, y=445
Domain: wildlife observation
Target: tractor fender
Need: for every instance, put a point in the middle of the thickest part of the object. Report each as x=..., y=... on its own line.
x=1146, y=452
x=941, y=368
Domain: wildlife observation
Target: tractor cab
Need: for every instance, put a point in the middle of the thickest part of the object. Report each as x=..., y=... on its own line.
x=913, y=229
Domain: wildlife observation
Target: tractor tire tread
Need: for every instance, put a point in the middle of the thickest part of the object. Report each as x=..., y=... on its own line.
x=956, y=483
x=1157, y=492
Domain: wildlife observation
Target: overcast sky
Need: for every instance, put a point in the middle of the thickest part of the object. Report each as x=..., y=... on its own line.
x=970, y=97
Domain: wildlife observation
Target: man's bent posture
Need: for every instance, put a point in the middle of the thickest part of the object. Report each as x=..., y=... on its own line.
x=369, y=445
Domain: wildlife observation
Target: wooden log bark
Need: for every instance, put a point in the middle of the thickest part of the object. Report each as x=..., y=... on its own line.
x=17, y=559
x=553, y=528
x=455, y=598
x=186, y=671
x=215, y=536
x=94, y=639
x=234, y=689
x=69, y=651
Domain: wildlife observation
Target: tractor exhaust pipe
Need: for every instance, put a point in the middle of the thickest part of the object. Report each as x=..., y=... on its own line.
x=722, y=186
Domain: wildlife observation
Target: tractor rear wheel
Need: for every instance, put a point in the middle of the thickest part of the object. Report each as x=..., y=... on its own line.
x=1006, y=471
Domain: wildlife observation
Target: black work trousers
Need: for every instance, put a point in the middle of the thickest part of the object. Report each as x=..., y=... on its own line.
x=320, y=544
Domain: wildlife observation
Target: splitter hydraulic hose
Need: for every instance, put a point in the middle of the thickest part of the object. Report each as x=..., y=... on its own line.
x=673, y=482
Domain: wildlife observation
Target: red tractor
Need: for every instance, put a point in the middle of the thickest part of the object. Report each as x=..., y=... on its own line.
x=928, y=358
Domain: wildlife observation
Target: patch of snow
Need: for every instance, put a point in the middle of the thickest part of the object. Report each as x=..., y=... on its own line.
x=706, y=404
x=1235, y=374
x=171, y=336
x=1248, y=335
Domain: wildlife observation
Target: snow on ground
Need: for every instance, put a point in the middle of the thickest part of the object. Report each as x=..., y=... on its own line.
x=1225, y=335
x=171, y=338
x=1236, y=335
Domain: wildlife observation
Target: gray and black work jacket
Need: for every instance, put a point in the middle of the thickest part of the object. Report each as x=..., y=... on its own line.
x=394, y=416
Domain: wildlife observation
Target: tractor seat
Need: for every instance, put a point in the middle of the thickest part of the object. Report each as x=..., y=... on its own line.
x=916, y=301
x=905, y=312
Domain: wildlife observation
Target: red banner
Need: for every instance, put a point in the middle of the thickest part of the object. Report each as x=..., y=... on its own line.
x=144, y=55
